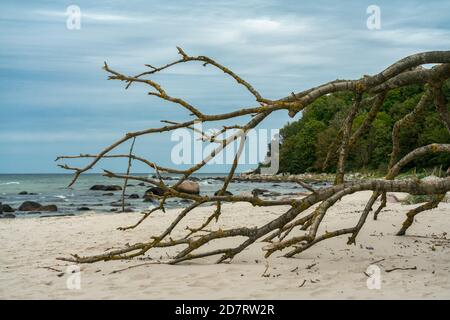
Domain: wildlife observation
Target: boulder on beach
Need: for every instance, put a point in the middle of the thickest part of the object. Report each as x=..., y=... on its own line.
x=35, y=206
x=6, y=208
x=83, y=209
x=102, y=187
x=190, y=187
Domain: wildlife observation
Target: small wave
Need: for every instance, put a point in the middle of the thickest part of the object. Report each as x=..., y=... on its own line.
x=8, y=183
x=61, y=197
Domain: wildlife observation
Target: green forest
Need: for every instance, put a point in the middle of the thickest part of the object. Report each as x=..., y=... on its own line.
x=305, y=142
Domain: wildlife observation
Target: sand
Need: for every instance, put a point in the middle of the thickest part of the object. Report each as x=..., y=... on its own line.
x=329, y=270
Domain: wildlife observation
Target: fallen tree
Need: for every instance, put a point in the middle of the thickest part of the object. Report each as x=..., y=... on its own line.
x=368, y=90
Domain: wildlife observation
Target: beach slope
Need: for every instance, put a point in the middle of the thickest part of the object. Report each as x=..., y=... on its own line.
x=29, y=248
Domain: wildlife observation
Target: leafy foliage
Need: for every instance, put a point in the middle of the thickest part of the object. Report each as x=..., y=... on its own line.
x=305, y=142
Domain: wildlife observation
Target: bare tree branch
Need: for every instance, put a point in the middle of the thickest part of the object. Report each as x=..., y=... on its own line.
x=278, y=232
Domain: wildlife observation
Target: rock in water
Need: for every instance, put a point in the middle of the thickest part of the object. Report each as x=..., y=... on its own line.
x=190, y=187
x=29, y=206
x=34, y=206
x=102, y=187
x=6, y=208
x=23, y=193
x=257, y=192
x=49, y=208
x=226, y=193
x=134, y=196
x=97, y=187
x=153, y=191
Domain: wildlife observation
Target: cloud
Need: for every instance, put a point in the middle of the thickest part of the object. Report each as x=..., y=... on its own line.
x=261, y=25
x=52, y=87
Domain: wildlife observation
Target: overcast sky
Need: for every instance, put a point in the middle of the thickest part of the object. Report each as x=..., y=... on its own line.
x=54, y=97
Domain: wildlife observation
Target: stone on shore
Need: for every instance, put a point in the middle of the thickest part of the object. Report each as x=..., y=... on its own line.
x=189, y=187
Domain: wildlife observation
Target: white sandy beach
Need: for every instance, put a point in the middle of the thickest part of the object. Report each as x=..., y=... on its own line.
x=331, y=269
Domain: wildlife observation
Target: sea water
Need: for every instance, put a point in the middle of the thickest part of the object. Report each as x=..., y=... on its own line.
x=52, y=189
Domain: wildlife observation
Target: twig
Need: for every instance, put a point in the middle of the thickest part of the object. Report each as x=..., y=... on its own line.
x=412, y=268
x=51, y=268
x=375, y=262
x=135, y=266
x=265, y=270
x=310, y=266
x=128, y=172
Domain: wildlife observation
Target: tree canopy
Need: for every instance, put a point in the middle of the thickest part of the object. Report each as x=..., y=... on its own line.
x=305, y=142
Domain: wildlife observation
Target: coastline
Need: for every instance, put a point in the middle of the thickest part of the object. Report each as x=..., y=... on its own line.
x=331, y=269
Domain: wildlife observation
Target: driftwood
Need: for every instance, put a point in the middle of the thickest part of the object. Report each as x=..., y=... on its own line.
x=368, y=90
